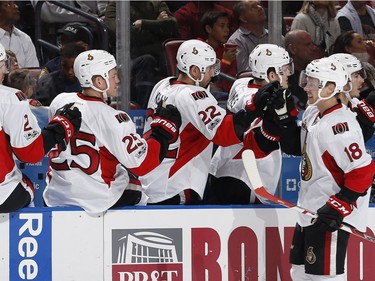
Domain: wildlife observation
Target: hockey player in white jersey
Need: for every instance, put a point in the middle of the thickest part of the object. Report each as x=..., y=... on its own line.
x=365, y=108
x=336, y=172
x=182, y=176
x=271, y=66
x=21, y=138
x=99, y=168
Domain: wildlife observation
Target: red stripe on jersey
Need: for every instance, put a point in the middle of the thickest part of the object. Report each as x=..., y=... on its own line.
x=350, y=179
x=108, y=164
x=365, y=174
x=7, y=163
x=152, y=158
x=32, y=153
x=225, y=134
x=193, y=142
x=251, y=143
x=327, y=253
x=333, y=168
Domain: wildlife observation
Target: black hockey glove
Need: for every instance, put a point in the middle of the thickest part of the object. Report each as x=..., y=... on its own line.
x=288, y=112
x=267, y=95
x=366, y=110
x=338, y=206
x=166, y=123
x=62, y=126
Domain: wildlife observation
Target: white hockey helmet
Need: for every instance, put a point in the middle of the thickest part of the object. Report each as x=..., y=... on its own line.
x=325, y=70
x=92, y=63
x=265, y=56
x=198, y=53
x=351, y=63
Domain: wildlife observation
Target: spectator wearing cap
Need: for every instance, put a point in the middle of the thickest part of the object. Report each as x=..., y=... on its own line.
x=13, y=38
x=70, y=33
x=52, y=84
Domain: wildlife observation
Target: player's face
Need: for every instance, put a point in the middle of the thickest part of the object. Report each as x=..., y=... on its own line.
x=357, y=82
x=312, y=88
x=114, y=82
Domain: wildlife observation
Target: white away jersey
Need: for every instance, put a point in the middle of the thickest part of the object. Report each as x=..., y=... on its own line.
x=227, y=161
x=333, y=155
x=187, y=162
x=91, y=172
x=20, y=138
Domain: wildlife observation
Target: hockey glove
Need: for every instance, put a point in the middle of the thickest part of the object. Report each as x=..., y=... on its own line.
x=366, y=110
x=288, y=112
x=260, y=99
x=338, y=206
x=64, y=124
x=166, y=123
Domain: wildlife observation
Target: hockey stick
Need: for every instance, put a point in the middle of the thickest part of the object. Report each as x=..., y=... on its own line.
x=248, y=159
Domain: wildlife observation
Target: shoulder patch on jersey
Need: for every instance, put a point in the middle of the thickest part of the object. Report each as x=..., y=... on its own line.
x=199, y=95
x=20, y=96
x=122, y=117
x=340, y=128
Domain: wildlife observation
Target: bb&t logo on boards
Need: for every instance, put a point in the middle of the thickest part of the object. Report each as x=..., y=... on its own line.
x=147, y=255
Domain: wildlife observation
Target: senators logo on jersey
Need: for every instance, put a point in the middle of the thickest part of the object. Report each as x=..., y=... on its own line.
x=122, y=117
x=340, y=128
x=200, y=95
x=21, y=96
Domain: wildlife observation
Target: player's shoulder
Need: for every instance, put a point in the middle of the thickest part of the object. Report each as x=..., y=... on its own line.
x=11, y=94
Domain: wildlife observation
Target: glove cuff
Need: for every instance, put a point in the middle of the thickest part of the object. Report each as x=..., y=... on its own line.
x=267, y=134
x=167, y=128
x=66, y=124
x=341, y=206
x=367, y=111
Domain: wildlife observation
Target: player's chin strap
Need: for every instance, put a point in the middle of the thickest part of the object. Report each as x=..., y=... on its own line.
x=104, y=92
x=320, y=98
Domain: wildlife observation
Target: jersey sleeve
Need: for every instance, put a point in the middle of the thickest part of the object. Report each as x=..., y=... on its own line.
x=120, y=137
x=346, y=157
x=239, y=94
x=23, y=130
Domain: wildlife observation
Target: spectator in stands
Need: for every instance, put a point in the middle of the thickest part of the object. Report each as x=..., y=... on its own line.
x=189, y=18
x=351, y=42
x=359, y=17
x=152, y=23
x=22, y=79
x=12, y=61
x=216, y=27
x=318, y=19
x=13, y=38
x=302, y=50
x=69, y=33
x=54, y=14
x=60, y=81
x=251, y=18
